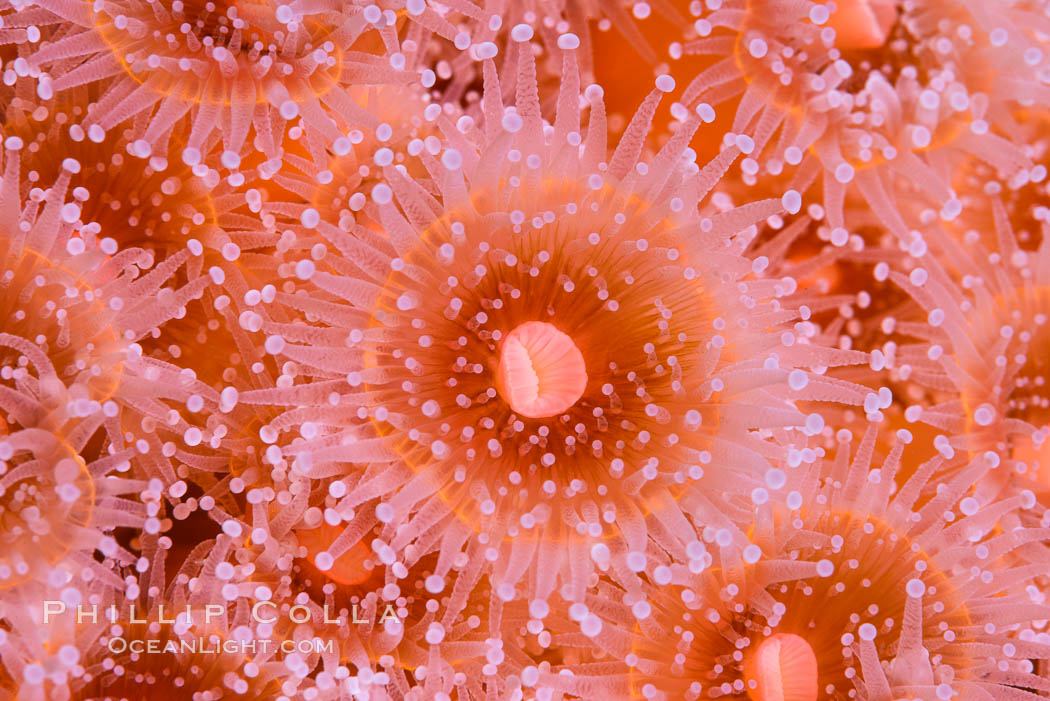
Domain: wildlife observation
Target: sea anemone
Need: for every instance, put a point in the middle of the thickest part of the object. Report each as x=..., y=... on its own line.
x=392, y=633
x=64, y=361
x=239, y=68
x=459, y=362
x=58, y=508
x=976, y=347
x=162, y=259
x=140, y=203
x=76, y=387
x=191, y=218
x=412, y=641
x=149, y=635
x=374, y=328
x=90, y=289
x=849, y=586
x=878, y=100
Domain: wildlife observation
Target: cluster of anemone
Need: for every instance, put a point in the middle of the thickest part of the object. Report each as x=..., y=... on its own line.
x=842, y=586
x=556, y=349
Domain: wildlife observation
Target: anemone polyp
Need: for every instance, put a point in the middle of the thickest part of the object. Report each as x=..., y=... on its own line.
x=150, y=203
x=499, y=331
x=386, y=623
x=212, y=65
x=57, y=509
x=853, y=584
x=856, y=93
x=560, y=343
x=980, y=351
x=80, y=348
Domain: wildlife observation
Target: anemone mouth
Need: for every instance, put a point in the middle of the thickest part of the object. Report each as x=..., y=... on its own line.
x=886, y=43
x=195, y=50
x=47, y=496
x=245, y=462
x=182, y=336
x=863, y=24
x=782, y=668
x=606, y=268
x=541, y=373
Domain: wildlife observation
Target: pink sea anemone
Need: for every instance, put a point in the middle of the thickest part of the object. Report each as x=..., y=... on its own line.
x=86, y=271
x=243, y=69
x=978, y=349
x=884, y=108
x=196, y=253
x=151, y=635
x=196, y=225
x=80, y=404
x=403, y=336
x=58, y=509
x=849, y=588
x=430, y=643
x=150, y=204
x=392, y=634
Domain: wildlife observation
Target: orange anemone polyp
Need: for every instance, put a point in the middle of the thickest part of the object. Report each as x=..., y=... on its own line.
x=449, y=346
x=541, y=371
